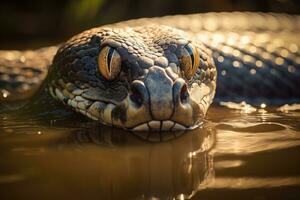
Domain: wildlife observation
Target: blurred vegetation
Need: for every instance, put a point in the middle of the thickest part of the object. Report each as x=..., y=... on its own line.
x=33, y=23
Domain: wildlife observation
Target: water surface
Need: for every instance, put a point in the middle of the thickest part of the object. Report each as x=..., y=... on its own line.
x=236, y=154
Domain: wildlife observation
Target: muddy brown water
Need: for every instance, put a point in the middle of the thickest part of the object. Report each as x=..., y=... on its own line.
x=234, y=155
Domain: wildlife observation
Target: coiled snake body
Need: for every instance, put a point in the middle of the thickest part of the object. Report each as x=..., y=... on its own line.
x=163, y=73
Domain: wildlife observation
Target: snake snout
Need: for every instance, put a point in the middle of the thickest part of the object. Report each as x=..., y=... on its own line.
x=159, y=102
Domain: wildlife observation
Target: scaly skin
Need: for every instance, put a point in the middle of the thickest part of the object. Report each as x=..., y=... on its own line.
x=256, y=56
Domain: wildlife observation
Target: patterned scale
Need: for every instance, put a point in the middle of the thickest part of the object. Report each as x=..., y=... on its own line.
x=256, y=67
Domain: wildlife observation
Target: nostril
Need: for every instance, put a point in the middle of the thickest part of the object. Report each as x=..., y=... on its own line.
x=136, y=96
x=184, y=94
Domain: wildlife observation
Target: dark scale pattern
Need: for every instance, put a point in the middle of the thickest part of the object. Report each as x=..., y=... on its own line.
x=77, y=58
x=254, y=70
x=22, y=72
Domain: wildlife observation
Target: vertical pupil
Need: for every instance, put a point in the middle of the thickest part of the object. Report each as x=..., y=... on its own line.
x=190, y=51
x=109, y=58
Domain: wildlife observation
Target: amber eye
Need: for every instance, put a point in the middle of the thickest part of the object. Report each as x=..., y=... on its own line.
x=109, y=63
x=189, y=60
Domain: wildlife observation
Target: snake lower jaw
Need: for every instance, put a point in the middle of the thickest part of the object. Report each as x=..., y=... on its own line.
x=165, y=125
x=137, y=119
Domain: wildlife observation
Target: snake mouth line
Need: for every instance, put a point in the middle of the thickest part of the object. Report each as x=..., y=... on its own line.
x=159, y=126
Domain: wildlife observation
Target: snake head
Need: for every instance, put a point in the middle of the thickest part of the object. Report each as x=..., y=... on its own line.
x=152, y=77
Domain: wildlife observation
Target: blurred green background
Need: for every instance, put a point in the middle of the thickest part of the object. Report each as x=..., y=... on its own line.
x=34, y=23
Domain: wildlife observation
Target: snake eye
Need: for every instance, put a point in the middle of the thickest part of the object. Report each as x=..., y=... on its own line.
x=189, y=60
x=109, y=63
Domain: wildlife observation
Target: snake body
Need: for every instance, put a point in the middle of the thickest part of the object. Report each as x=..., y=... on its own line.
x=163, y=73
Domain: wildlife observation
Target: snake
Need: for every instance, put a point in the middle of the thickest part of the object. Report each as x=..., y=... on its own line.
x=162, y=73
